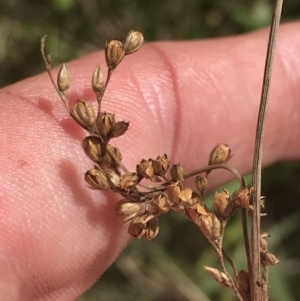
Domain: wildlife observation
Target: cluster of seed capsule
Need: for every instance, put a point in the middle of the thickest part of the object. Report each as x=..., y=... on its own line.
x=142, y=204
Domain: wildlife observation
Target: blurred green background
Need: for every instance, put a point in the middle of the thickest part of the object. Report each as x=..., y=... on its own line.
x=170, y=267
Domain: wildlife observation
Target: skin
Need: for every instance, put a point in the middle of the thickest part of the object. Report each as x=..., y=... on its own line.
x=56, y=235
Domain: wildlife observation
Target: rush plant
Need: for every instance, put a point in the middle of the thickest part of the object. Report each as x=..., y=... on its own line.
x=141, y=203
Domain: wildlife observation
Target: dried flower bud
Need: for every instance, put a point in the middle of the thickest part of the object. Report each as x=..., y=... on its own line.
x=133, y=41
x=220, y=154
x=113, y=178
x=92, y=148
x=63, y=78
x=244, y=283
x=118, y=129
x=128, y=181
x=201, y=183
x=114, y=53
x=223, y=208
x=105, y=121
x=161, y=203
x=83, y=112
x=219, y=276
x=128, y=208
x=177, y=173
x=96, y=179
x=152, y=228
x=161, y=165
x=98, y=82
x=269, y=259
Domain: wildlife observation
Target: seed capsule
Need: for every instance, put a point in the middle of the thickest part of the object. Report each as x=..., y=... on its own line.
x=98, y=82
x=221, y=205
x=92, y=148
x=133, y=42
x=113, y=178
x=161, y=165
x=114, y=53
x=145, y=169
x=118, y=129
x=220, y=154
x=105, y=121
x=128, y=208
x=269, y=259
x=83, y=112
x=96, y=178
x=201, y=183
x=219, y=276
x=63, y=78
x=177, y=173
x=152, y=228
x=129, y=180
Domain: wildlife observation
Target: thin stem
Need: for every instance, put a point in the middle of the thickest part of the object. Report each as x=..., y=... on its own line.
x=265, y=280
x=246, y=238
x=216, y=166
x=257, y=162
x=231, y=263
x=100, y=95
x=221, y=258
x=48, y=68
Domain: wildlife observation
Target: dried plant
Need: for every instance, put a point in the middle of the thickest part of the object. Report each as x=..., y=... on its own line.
x=142, y=204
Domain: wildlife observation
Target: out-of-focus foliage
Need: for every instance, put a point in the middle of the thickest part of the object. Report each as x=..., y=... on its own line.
x=167, y=268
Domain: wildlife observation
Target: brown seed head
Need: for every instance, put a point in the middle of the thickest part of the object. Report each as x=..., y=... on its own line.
x=98, y=82
x=63, y=78
x=133, y=41
x=128, y=208
x=241, y=197
x=173, y=192
x=83, y=112
x=161, y=203
x=185, y=194
x=222, y=205
x=145, y=169
x=220, y=154
x=201, y=183
x=269, y=259
x=263, y=245
x=105, y=121
x=219, y=276
x=161, y=165
x=128, y=181
x=96, y=179
x=113, y=178
x=118, y=129
x=114, y=53
x=92, y=148
x=177, y=173
x=152, y=228
x=210, y=225
x=137, y=228
x=244, y=283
